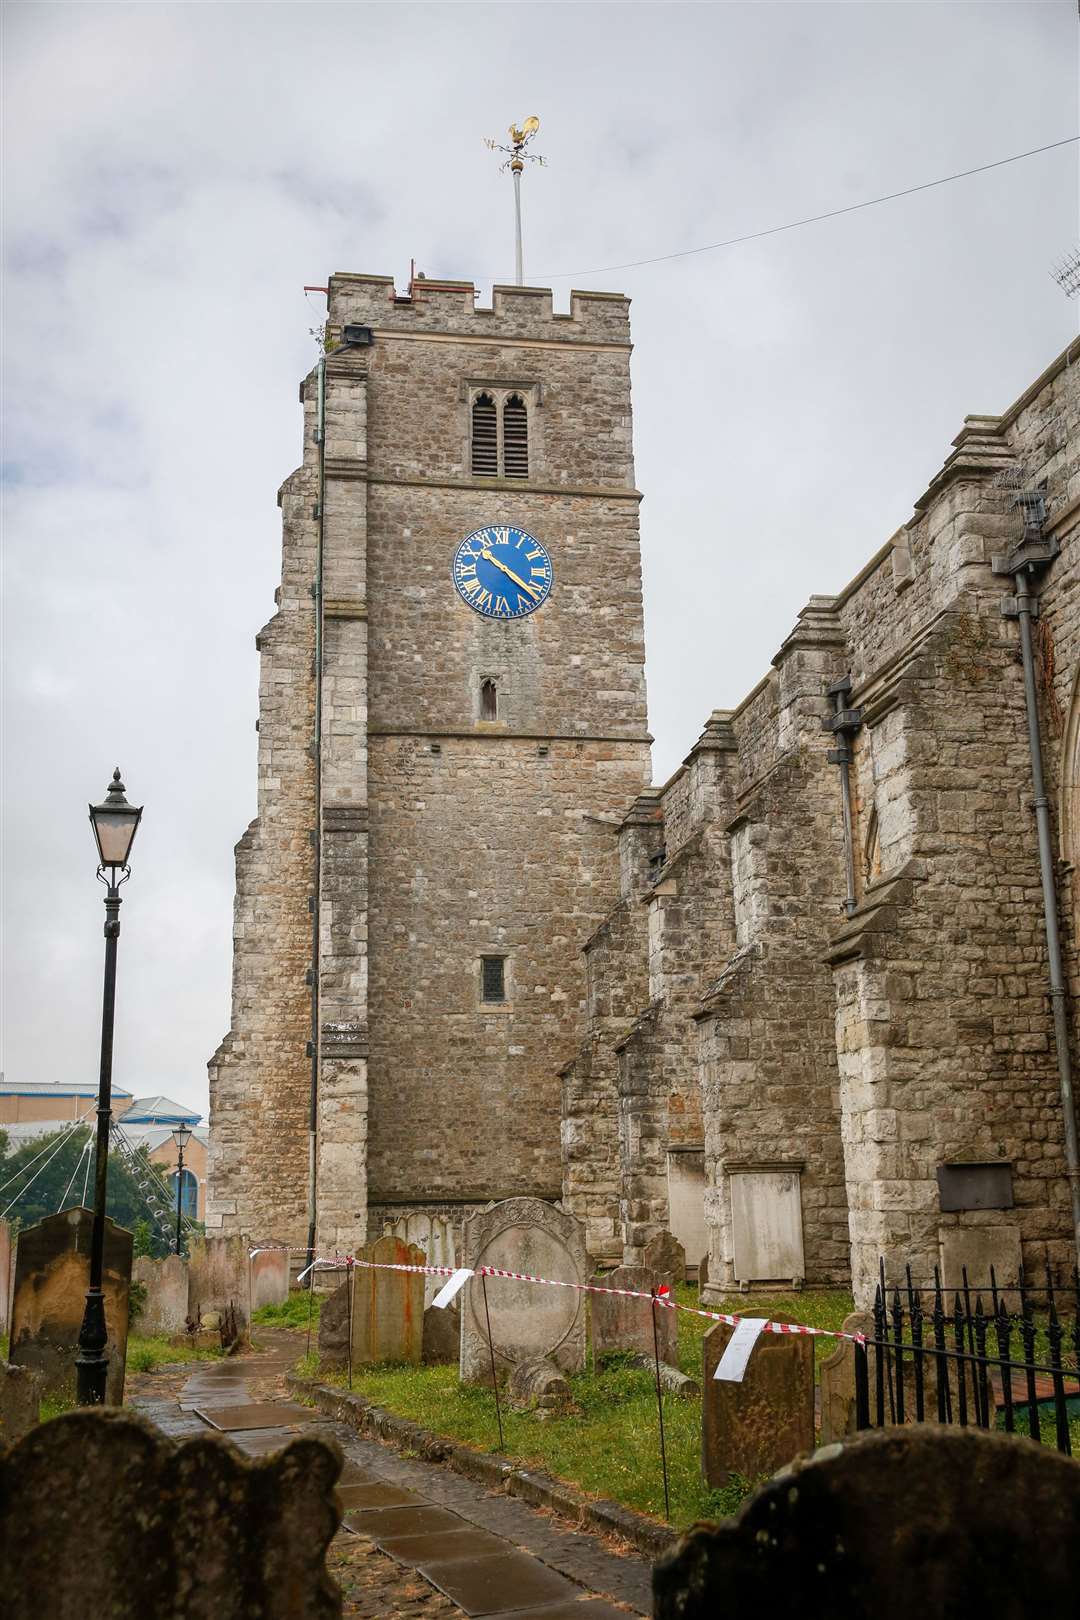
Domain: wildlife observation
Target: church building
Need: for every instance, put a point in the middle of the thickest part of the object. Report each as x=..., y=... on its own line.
x=451, y=722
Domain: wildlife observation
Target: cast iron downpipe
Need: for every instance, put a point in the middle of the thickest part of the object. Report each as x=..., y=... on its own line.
x=316, y=836
x=1025, y=606
x=844, y=723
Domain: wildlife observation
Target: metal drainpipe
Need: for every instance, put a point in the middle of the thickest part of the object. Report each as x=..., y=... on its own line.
x=316, y=836
x=1025, y=607
x=844, y=723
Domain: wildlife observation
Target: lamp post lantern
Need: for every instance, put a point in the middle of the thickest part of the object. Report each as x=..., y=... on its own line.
x=181, y=1136
x=115, y=823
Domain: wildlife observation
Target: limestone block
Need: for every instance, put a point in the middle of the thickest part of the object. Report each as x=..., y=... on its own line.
x=538, y=1384
x=756, y=1426
x=262, y=1528
x=527, y=1320
x=977, y=1248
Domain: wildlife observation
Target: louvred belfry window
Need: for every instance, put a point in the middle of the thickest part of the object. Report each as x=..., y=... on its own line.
x=485, y=438
x=515, y=438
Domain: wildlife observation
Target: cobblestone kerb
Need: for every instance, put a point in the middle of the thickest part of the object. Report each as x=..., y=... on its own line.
x=539, y=1490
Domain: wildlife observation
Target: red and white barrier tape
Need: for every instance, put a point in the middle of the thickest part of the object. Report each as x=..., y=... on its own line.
x=661, y=1297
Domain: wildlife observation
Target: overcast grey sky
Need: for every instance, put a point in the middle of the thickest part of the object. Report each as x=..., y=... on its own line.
x=175, y=174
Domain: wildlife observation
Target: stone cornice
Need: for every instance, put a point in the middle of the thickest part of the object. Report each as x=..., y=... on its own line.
x=507, y=736
x=344, y=607
x=516, y=486
x=858, y=935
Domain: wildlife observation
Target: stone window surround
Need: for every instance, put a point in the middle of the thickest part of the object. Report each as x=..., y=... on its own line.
x=507, y=1003
x=500, y=390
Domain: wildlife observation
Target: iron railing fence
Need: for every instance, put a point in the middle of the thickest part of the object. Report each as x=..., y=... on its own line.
x=927, y=1361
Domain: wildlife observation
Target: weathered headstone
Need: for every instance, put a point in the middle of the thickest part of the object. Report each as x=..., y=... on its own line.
x=527, y=1320
x=538, y=1385
x=837, y=1381
x=672, y=1378
x=166, y=1283
x=837, y=1384
x=756, y=1426
x=333, y=1340
x=190, y=1530
x=20, y=1392
x=388, y=1306
x=52, y=1274
x=620, y=1323
x=218, y=1275
x=703, y=1272
x=666, y=1256
x=433, y=1234
x=6, y=1279
x=269, y=1274
x=442, y=1335
x=907, y=1521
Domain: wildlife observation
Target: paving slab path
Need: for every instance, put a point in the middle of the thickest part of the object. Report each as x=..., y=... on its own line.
x=416, y=1539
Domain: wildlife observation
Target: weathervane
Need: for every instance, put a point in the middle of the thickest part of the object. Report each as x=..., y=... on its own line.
x=516, y=157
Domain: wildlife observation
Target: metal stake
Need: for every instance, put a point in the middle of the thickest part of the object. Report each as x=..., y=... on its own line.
x=352, y=1280
x=660, y=1404
x=310, y=1308
x=491, y=1353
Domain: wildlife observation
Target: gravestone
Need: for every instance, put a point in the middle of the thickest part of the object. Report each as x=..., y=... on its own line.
x=218, y=1275
x=442, y=1335
x=388, y=1306
x=192, y=1530
x=269, y=1275
x=949, y=1522
x=52, y=1274
x=6, y=1279
x=703, y=1272
x=527, y=1320
x=837, y=1381
x=756, y=1426
x=333, y=1340
x=166, y=1284
x=666, y=1256
x=435, y=1236
x=621, y=1324
x=19, y=1399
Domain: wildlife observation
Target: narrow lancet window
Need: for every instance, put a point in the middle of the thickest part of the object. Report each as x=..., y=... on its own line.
x=493, y=979
x=489, y=701
x=515, y=438
x=485, y=438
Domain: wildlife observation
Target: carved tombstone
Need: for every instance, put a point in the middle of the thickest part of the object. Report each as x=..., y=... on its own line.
x=983, y=1524
x=756, y=1426
x=621, y=1323
x=333, y=1340
x=102, y=1515
x=52, y=1274
x=388, y=1306
x=442, y=1335
x=434, y=1235
x=527, y=1320
x=166, y=1284
x=666, y=1256
x=837, y=1384
x=19, y=1399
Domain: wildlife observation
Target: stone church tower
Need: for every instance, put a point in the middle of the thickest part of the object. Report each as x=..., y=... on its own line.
x=451, y=722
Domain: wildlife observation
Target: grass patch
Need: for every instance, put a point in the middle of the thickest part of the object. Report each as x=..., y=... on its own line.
x=301, y=1306
x=55, y=1406
x=609, y=1445
x=144, y=1354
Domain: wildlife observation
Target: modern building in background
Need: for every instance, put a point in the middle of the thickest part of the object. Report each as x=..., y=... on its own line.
x=38, y=1108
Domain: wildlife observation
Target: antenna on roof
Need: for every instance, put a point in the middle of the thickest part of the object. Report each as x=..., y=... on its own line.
x=516, y=158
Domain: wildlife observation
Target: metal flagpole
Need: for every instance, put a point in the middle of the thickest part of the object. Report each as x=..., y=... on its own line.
x=516, y=156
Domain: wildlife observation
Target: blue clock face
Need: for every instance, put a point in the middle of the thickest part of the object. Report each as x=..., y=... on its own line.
x=502, y=573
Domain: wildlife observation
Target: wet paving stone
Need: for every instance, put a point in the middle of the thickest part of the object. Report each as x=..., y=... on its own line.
x=463, y=1543
x=500, y=1582
x=255, y=1415
x=582, y=1608
x=405, y=1521
x=377, y=1494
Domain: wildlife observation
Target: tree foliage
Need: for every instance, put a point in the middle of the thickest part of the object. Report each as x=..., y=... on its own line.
x=41, y=1182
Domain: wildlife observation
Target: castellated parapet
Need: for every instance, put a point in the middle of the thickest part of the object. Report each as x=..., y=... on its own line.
x=818, y=1079
x=460, y=800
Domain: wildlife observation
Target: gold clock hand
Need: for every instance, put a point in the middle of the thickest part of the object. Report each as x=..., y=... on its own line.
x=509, y=572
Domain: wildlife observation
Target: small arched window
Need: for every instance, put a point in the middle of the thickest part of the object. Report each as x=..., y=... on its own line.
x=189, y=1194
x=489, y=700
x=515, y=438
x=485, y=438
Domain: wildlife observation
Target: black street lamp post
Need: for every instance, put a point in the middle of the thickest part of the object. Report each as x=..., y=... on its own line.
x=181, y=1136
x=114, y=823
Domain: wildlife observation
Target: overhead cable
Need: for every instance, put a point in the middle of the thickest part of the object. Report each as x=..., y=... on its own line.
x=811, y=219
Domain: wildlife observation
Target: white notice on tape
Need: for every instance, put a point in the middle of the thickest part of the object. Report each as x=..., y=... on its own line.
x=452, y=1287
x=732, y=1364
